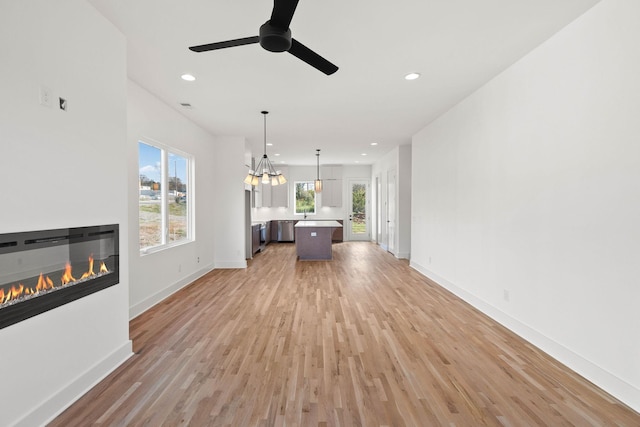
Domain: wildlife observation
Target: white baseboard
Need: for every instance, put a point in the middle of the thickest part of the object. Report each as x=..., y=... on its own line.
x=56, y=404
x=231, y=264
x=139, y=308
x=403, y=255
x=617, y=387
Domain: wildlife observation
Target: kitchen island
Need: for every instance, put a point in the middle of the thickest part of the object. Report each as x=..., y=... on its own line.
x=313, y=239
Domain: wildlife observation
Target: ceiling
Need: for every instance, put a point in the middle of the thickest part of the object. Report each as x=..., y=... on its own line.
x=456, y=45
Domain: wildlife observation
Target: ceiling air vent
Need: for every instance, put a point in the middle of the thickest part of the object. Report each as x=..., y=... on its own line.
x=186, y=105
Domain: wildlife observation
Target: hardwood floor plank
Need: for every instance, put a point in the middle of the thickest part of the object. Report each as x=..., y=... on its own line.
x=363, y=340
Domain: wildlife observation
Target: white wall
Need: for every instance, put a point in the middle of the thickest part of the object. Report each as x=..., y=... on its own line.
x=398, y=163
x=528, y=198
x=404, y=202
x=217, y=201
x=62, y=169
x=226, y=192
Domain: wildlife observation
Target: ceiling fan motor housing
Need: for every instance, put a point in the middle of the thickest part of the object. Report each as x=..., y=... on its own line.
x=274, y=39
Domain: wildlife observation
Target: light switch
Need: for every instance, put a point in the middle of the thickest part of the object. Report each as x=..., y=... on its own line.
x=314, y=234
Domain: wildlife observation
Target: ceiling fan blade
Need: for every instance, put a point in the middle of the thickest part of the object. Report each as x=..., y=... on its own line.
x=300, y=51
x=222, y=45
x=283, y=13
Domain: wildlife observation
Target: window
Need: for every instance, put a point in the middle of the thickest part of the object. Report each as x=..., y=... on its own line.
x=164, y=217
x=305, y=197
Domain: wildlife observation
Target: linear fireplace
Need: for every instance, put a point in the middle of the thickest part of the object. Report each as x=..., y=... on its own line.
x=42, y=270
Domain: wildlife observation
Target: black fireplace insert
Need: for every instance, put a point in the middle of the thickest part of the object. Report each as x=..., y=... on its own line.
x=42, y=270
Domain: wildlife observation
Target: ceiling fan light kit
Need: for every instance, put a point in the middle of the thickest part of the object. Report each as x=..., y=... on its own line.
x=264, y=172
x=275, y=36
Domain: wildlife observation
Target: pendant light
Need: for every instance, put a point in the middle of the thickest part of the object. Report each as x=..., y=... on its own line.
x=318, y=182
x=265, y=173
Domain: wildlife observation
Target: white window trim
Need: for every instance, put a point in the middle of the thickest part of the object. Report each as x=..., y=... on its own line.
x=164, y=177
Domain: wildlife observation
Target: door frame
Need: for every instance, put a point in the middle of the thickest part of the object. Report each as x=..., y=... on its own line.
x=391, y=214
x=367, y=209
x=376, y=196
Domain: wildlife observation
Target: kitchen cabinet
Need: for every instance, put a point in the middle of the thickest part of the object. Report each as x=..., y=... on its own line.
x=331, y=195
x=313, y=239
x=269, y=196
x=280, y=193
x=338, y=235
x=265, y=196
x=330, y=172
x=262, y=196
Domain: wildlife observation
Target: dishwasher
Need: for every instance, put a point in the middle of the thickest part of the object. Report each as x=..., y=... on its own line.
x=285, y=231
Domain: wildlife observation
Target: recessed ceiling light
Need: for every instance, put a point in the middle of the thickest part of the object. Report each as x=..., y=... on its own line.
x=363, y=154
x=374, y=143
x=270, y=144
x=277, y=154
x=412, y=76
x=187, y=77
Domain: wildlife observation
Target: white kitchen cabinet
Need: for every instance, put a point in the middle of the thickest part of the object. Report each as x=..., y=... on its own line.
x=330, y=172
x=280, y=193
x=269, y=196
x=332, y=193
x=331, y=186
x=265, y=195
x=256, y=197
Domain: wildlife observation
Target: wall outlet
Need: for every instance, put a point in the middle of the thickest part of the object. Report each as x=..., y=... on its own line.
x=45, y=96
x=198, y=260
x=505, y=294
x=179, y=268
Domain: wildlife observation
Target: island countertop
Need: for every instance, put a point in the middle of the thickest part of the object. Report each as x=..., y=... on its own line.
x=330, y=224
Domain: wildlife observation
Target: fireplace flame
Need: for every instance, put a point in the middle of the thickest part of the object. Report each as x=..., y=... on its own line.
x=67, y=277
x=45, y=283
x=13, y=293
x=90, y=271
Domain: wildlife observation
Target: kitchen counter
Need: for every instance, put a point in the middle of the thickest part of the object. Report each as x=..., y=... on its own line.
x=313, y=239
x=319, y=223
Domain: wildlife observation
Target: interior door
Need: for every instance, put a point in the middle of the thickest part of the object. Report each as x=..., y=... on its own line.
x=391, y=211
x=358, y=227
x=378, y=211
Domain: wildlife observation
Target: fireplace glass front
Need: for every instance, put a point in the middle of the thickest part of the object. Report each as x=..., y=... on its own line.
x=41, y=270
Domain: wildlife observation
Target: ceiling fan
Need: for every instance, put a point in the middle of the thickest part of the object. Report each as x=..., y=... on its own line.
x=275, y=36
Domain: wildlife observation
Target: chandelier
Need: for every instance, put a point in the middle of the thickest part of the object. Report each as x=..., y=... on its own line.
x=265, y=173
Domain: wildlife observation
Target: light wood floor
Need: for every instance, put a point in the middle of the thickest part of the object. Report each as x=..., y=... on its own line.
x=362, y=340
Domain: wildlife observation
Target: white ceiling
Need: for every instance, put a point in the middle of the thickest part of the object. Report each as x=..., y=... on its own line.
x=457, y=46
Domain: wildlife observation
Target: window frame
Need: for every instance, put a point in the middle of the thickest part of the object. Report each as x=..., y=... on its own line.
x=310, y=184
x=165, y=177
